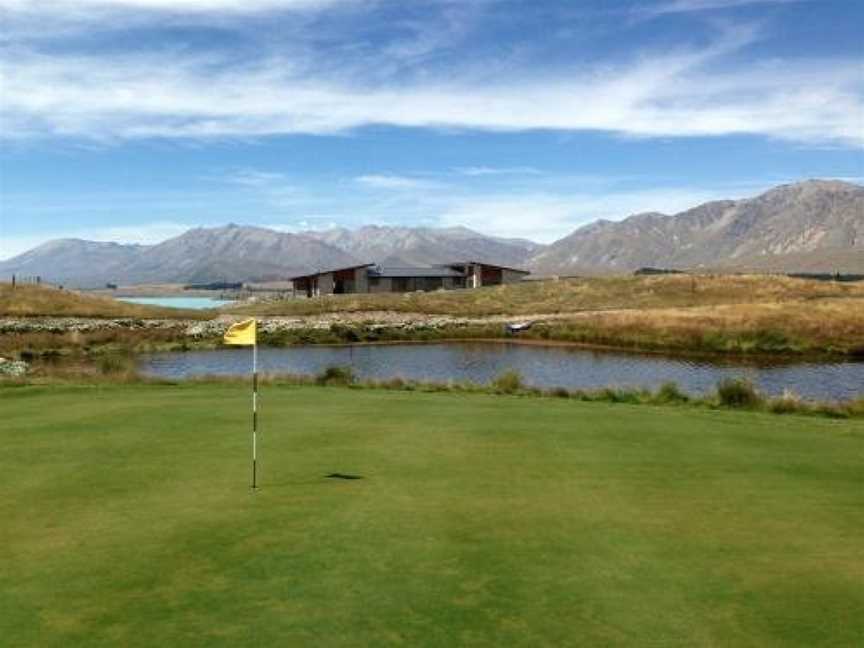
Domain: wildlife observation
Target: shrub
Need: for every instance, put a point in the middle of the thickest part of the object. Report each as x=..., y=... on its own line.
x=856, y=407
x=670, y=392
x=788, y=403
x=114, y=364
x=336, y=376
x=394, y=383
x=559, y=392
x=508, y=382
x=618, y=395
x=737, y=392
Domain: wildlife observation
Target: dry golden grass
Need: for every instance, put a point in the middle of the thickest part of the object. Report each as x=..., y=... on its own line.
x=577, y=295
x=803, y=326
x=34, y=301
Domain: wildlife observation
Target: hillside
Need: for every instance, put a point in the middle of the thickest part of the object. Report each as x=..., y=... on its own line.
x=812, y=219
x=427, y=245
x=32, y=301
x=243, y=253
x=234, y=253
x=568, y=296
x=827, y=260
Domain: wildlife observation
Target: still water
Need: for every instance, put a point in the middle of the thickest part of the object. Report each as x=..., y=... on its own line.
x=177, y=302
x=540, y=366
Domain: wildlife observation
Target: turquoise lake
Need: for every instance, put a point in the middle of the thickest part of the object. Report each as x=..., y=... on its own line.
x=177, y=302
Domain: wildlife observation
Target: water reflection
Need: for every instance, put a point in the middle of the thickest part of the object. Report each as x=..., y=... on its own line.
x=540, y=366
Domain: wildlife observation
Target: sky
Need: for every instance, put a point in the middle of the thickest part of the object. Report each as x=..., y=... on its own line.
x=134, y=120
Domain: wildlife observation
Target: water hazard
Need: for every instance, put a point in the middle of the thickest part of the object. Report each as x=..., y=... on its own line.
x=540, y=366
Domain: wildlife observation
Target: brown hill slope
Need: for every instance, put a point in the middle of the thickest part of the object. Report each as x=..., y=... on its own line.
x=814, y=218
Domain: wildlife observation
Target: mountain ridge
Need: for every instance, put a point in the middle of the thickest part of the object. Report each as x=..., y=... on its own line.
x=814, y=225
x=799, y=218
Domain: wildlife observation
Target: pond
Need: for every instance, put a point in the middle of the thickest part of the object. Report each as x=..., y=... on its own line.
x=540, y=366
x=195, y=303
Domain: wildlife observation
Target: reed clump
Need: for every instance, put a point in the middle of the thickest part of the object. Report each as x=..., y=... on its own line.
x=734, y=394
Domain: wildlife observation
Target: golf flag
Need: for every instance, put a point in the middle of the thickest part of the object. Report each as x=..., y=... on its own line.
x=242, y=333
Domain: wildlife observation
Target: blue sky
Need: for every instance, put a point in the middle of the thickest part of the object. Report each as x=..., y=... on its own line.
x=133, y=120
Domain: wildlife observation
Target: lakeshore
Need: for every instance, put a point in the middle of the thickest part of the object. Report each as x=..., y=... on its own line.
x=724, y=315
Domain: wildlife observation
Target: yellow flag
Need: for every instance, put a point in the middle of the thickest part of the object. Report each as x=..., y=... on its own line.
x=241, y=333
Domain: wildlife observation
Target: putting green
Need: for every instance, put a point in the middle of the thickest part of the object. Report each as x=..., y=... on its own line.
x=126, y=519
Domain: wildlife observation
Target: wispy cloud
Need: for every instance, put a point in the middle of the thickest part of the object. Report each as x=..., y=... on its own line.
x=398, y=182
x=654, y=95
x=255, y=178
x=688, y=6
x=81, y=8
x=496, y=171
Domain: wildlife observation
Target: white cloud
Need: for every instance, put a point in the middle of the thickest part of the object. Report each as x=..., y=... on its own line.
x=376, y=181
x=671, y=94
x=495, y=171
x=81, y=7
x=687, y=6
x=255, y=178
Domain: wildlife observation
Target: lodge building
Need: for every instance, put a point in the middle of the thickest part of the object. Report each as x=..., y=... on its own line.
x=373, y=278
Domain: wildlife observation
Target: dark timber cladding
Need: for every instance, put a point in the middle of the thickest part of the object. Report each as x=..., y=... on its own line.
x=372, y=278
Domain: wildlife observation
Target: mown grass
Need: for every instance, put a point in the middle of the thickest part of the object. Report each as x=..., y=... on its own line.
x=36, y=301
x=479, y=520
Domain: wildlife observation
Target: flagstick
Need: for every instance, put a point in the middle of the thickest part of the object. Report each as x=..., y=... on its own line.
x=255, y=416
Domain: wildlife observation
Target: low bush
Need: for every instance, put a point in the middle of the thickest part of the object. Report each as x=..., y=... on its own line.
x=336, y=376
x=788, y=403
x=670, y=392
x=738, y=393
x=115, y=363
x=508, y=382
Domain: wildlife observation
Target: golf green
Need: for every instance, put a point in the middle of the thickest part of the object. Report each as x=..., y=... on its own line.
x=126, y=519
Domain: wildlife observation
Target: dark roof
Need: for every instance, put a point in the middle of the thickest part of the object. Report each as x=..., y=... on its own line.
x=420, y=273
x=329, y=270
x=486, y=263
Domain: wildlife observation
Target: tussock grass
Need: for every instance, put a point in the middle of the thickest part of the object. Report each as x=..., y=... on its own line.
x=676, y=313
x=47, y=301
x=713, y=314
x=29, y=346
x=735, y=394
x=575, y=295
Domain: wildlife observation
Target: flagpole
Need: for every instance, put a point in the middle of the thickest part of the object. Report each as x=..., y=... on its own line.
x=255, y=415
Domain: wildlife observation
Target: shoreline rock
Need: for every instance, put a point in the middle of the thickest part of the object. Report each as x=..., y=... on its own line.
x=275, y=324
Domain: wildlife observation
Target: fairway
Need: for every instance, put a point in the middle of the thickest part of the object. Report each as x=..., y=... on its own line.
x=126, y=519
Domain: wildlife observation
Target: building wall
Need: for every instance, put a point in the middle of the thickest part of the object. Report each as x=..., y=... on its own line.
x=383, y=285
x=475, y=276
x=511, y=277
x=361, y=280
x=325, y=284
x=386, y=285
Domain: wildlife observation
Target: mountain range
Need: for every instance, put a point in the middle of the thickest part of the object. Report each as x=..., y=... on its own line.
x=810, y=226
